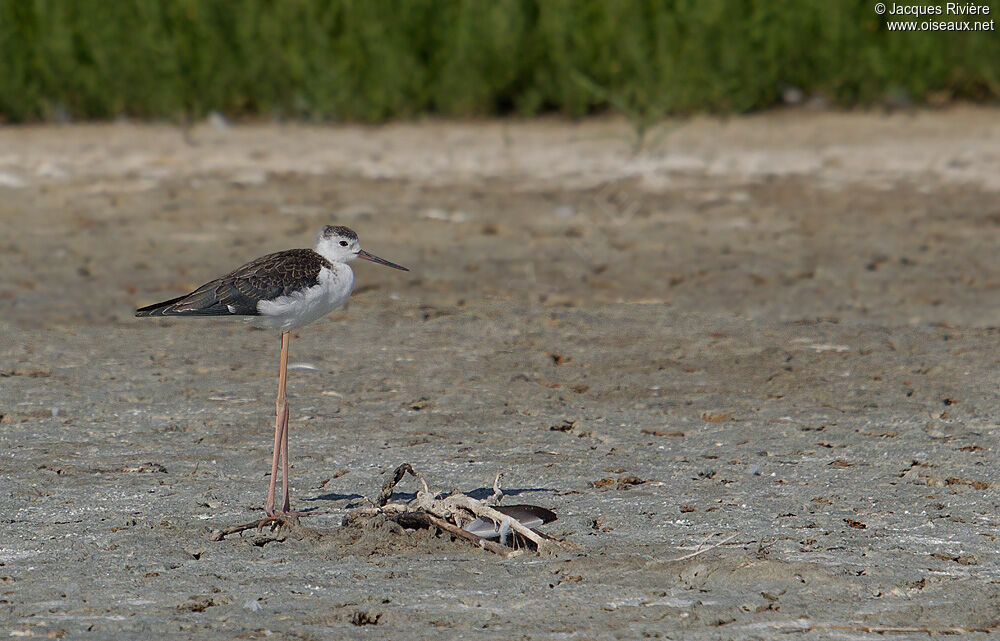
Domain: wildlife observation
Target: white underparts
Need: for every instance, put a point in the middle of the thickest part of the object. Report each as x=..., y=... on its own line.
x=304, y=306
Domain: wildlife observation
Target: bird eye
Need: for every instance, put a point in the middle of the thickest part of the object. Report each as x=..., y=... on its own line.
x=343, y=243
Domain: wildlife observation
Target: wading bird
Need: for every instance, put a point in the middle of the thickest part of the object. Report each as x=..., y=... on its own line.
x=284, y=290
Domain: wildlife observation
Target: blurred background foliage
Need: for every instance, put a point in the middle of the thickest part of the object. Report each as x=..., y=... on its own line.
x=372, y=60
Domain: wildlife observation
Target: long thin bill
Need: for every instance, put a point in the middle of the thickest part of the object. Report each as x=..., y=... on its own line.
x=375, y=259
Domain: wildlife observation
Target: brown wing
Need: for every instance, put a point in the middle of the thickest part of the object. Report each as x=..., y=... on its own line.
x=237, y=293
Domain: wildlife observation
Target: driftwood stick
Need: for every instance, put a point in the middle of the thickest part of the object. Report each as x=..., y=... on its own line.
x=427, y=520
x=497, y=492
x=496, y=548
x=368, y=512
x=477, y=508
x=218, y=535
x=390, y=483
x=702, y=550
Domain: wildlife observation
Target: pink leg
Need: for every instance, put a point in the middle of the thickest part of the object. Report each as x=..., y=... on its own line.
x=269, y=505
x=280, y=432
x=286, y=504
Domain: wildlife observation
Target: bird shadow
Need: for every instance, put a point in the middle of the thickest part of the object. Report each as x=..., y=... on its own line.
x=333, y=496
x=405, y=497
x=478, y=494
x=486, y=492
x=310, y=510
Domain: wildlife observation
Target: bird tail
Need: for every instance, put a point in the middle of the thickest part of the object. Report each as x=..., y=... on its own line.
x=200, y=302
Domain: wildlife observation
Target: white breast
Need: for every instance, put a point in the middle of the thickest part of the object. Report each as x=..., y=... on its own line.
x=306, y=305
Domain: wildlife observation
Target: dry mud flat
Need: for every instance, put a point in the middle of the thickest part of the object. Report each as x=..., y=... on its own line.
x=753, y=369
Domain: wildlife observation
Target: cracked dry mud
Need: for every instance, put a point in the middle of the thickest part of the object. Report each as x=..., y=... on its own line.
x=779, y=329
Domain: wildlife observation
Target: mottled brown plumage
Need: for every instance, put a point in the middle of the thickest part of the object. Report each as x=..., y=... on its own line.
x=239, y=292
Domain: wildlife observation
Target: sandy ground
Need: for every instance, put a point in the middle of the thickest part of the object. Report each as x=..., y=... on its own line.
x=782, y=327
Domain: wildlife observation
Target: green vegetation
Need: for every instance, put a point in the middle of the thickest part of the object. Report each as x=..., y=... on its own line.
x=371, y=60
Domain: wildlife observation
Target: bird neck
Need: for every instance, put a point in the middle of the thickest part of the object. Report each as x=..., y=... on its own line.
x=334, y=254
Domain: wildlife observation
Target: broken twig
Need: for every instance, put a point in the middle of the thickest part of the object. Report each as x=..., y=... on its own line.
x=701, y=550
x=390, y=483
x=497, y=492
x=423, y=519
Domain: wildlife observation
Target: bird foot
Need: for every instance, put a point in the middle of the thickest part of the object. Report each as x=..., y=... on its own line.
x=277, y=519
x=273, y=521
x=284, y=515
